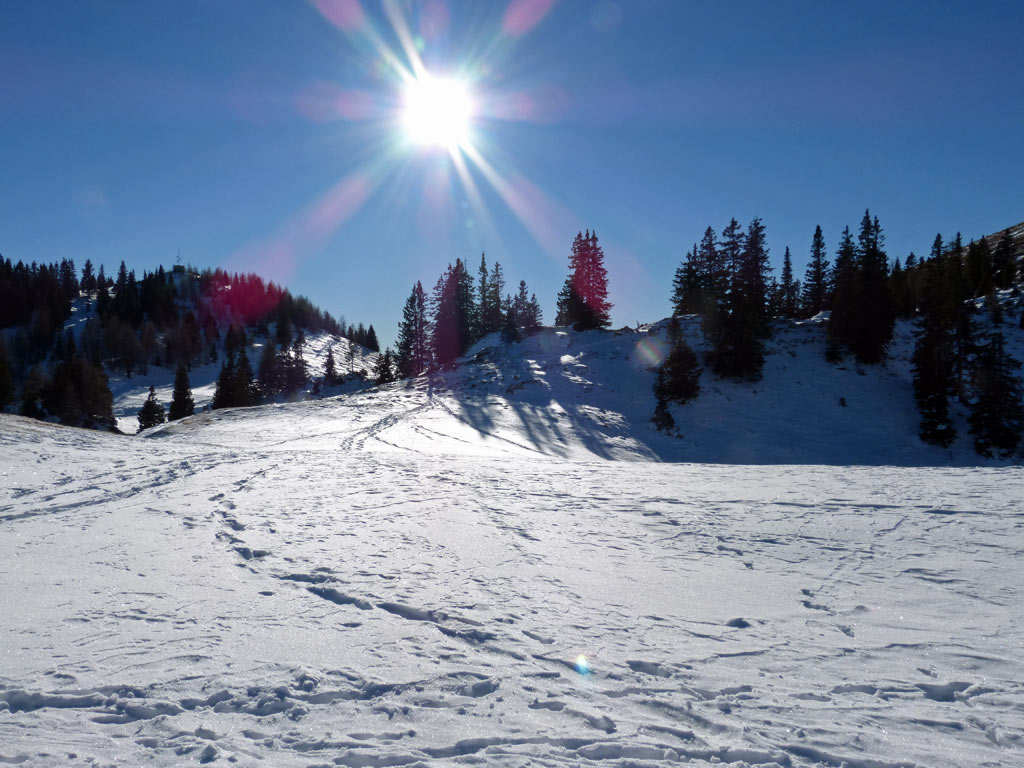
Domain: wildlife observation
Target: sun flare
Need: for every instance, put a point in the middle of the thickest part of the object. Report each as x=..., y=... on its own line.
x=437, y=111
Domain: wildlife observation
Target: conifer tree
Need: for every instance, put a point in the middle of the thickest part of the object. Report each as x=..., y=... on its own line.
x=997, y=413
x=413, y=355
x=788, y=288
x=681, y=371
x=494, y=318
x=88, y=282
x=873, y=318
x=844, y=278
x=244, y=387
x=583, y=300
x=182, y=403
x=269, y=371
x=483, y=293
x=978, y=268
x=371, y=340
x=152, y=411
x=223, y=395
x=688, y=285
x=330, y=371
x=454, y=310
x=1003, y=262
x=384, y=372
x=662, y=418
x=737, y=330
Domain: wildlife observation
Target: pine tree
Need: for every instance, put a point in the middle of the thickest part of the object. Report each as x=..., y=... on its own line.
x=583, y=300
x=844, y=278
x=371, y=340
x=978, y=269
x=737, y=329
x=269, y=370
x=485, y=309
x=413, y=355
x=454, y=311
x=244, y=387
x=662, y=418
x=1003, y=262
x=494, y=317
x=688, y=285
x=384, y=372
x=152, y=411
x=88, y=278
x=182, y=403
x=788, y=288
x=997, y=413
x=224, y=394
x=534, y=315
x=873, y=318
x=681, y=379
x=330, y=371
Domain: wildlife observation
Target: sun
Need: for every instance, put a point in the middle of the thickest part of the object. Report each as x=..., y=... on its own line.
x=437, y=111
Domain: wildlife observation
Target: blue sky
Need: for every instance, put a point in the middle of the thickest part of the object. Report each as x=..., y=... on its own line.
x=266, y=135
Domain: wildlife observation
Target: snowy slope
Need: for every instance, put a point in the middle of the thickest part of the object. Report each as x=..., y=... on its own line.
x=129, y=393
x=589, y=395
x=452, y=572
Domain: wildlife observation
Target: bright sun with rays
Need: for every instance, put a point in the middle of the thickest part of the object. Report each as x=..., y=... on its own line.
x=437, y=111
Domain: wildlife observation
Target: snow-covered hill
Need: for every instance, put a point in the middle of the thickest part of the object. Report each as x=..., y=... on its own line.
x=453, y=572
x=589, y=395
x=130, y=392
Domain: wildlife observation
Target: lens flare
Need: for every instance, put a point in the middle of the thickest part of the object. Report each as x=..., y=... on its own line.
x=582, y=665
x=650, y=352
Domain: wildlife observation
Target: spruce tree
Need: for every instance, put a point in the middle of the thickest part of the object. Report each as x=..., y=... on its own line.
x=662, y=418
x=483, y=297
x=494, y=318
x=978, y=269
x=997, y=413
x=384, y=372
x=843, y=306
x=681, y=380
x=737, y=330
x=1003, y=262
x=413, y=355
x=245, y=390
x=330, y=369
x=788, y=288
x=182, y=403
x=454, y=310
x=873, y=316
x=152, y=411
x=224, y=394
x=688, y=285
x=583, y=300
x=371, y=340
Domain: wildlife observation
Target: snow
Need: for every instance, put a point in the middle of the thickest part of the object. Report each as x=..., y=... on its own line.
x=505, y=565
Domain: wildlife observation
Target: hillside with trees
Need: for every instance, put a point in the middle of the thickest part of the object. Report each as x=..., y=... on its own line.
x=64, y=334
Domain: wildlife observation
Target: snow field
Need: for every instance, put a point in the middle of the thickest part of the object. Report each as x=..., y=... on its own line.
x=416, y=575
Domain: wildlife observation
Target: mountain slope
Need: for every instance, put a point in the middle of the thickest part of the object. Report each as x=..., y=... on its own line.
x=589, y=395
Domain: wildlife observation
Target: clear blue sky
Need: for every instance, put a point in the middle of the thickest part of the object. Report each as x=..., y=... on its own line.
x=265, y=135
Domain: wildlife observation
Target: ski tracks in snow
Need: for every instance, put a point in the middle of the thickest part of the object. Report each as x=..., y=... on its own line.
x=279, y=603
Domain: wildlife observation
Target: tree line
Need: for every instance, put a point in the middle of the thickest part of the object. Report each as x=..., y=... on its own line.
x=179, y=318
x=727, y=280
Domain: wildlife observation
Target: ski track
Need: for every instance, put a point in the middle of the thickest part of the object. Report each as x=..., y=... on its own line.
x=402, y=580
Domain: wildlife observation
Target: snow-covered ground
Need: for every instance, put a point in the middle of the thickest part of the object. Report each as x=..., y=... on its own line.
x=498, y=567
